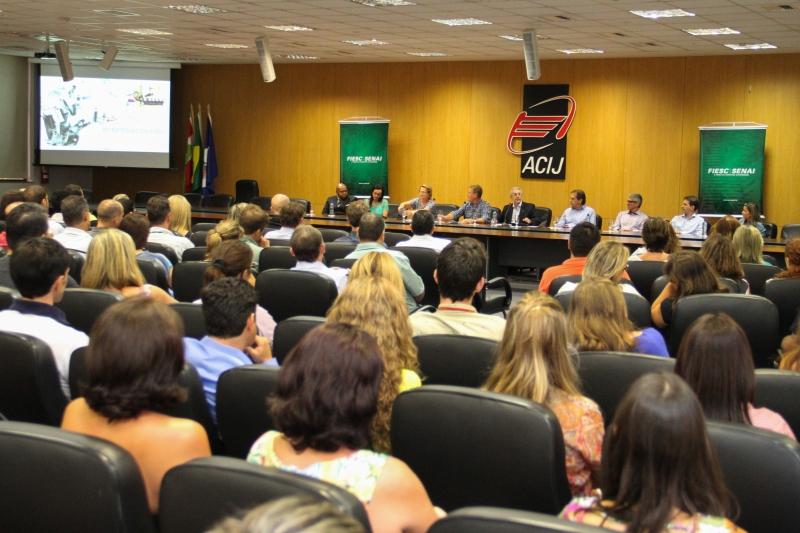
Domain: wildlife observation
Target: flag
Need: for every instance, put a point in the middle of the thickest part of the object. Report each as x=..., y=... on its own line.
x=189, y=172
x=197, y=157
x=209, y=160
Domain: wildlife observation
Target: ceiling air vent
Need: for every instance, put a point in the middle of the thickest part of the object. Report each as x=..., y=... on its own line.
x=116, y=13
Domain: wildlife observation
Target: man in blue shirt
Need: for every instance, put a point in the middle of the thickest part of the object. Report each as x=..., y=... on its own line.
x=689, y=223
x=229, y=306
x=577, y=212
x=474, y=210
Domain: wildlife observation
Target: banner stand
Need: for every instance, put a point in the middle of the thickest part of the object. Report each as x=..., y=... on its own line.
x=364, y=151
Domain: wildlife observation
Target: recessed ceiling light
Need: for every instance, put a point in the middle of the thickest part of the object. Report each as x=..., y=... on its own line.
x=461, y=22
x=760, y=46
x=228, y=45
x=655, y=14
x=713, y=31
x=289, y=27
x=428, y=54
x=365, y=43
x=511, y=37
x=297, y=56
x=199, y=10
x=383, y=3
x=146, y=32
x=580, y=51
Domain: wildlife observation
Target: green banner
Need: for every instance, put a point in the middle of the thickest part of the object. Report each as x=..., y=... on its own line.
x=364, y=155
x=731, y=168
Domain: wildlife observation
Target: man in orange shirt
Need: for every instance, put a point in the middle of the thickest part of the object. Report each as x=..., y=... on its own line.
x=582, y=239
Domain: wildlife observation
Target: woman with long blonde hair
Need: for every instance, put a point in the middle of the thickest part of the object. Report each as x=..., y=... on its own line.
x=533, y=362
x=181, y=211
x=378, y=264
x=377, y=306
x=111, y=266
x=749, y=244
x=607, y=260
x=224, y=231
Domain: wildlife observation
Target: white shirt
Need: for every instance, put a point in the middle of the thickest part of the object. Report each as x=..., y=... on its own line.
x=55, y=227
x=338, y=275
x=168, y=238
x=570, y=287
x=458, y=319
x=283, y=234
x=425, y=241
x=74, y=239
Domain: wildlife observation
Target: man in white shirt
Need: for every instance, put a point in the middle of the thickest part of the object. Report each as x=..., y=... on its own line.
x=422, y=225
x=39, y=268
x=160, y=217
x=291, y=216
x=460, y=271
x=308, y=248
x=689, y=223
x=38, y=195
x=632, y=219
x=76, y=216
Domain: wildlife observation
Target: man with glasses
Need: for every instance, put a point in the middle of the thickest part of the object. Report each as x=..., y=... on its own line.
x=632, y=219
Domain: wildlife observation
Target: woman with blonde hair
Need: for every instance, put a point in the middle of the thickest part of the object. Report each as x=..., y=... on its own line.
x=533, y=362
x=598, y=321
x=378, y=307
x=226, y=230
x=726, y=226
x=659, y=239
x=111, y=266
x=378, y=264
x=425, y=201
x=236, y=211
x=748, y=243
x=181, y=211
x=607, y=260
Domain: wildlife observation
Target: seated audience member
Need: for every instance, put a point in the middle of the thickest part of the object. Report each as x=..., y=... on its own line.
x=608, y=260
x=39, y=269
x=328, y=395
x=751, y=216
x=253, y=221
x=425, y=201
x=376, y=306
x=38, y=195
x=715, y=360
x=291, y=216
x=422, y=225
x=460, y=271
x=135, y=225
x=519, y=212
x=111, y=266
x=749, y=245
x=109, y=215
x=127, y=206
x=55, y=205
x=227, y=230
x=292, y=514
x=229, y=306
x=371, y=231
x=77, y=190
x=132, y=368
x=577, y=212
x=725, y=226
x=181, y=211
x=598, y=321
x=354, y=212
x=632, y=219
x=474, y=210
x=380, y=265
x=790, y=359
x=720, y=255
x=278, y=202
x=120, y=197
x=659, y=241
x=76, y=216
x=235, y=212
x=533, y=362
x=24, y=221
x=13, y=196
x=307, y=247
x=582, y=238
x=377, y=203
x=792, y=257
x=229, y=260
x=341, y=201
x=160, y=217
x=689, y=223
x=660, y=471
x=688, y=273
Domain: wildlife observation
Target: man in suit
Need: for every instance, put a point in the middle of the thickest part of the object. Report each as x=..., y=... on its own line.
x=340, y=201
x=519, y=212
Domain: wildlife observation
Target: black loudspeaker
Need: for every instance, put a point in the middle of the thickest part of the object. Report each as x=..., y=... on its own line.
x=64, y=64
x=265, y=59
x=531, y=54
x=109, y=54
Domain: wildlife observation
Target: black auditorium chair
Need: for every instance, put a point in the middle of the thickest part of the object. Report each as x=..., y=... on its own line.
x=733, y=287
x=445, y=209
x=423, y=262
x=246, y=190
x=279, y=242
x=658, y=287
x=762, y=471
x=264, y=202
x=83, y=306
x=88, y=195
x=769, y=259
x=330, y=235
x=305, y=203
x=790, y=231
x=471, y=447
x=498, y=304
x=499, y=520
x=288, y=293
x=559, y=282
x=140, y=198
x=757, y=276
x=599, y=222
x=607, y=376
x=197, y=494
x=638, y=308
x=30, y=385
x=757, y=316
x=164, y=250
x=187, y=280
x=546, y=213
x=289, y=332
x=56, y=480
x=344, y=263
x=220, y=201
x=391, y=238
x=338, y=250
x=198, y=253
x=772, y=230
x=455, y=359
x=198, y=238
x=76, y=265
x=153, y=274
x=785, y=294
x=779, y=390
x=393, y=211
x=194, y=199
x=643, y=274
x=194, y=324
x=242, y=413
x=203, y=226
x=276, y=257
x=7, y=297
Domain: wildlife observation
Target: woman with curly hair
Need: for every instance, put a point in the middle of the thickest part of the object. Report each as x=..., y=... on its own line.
x=792, y=255
x=133, y=361
x=378, y=307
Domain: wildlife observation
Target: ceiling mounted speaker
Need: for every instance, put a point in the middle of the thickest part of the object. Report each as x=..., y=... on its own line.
x=109, y=54
x=265, y=59
x=64, y=64
x=531, y=54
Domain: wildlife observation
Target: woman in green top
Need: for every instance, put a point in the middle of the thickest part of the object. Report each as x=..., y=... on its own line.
x=377, y=204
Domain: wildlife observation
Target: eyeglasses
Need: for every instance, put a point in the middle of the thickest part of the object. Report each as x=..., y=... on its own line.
x=632, y=201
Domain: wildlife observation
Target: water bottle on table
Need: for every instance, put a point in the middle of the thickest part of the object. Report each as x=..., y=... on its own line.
x=331, y=212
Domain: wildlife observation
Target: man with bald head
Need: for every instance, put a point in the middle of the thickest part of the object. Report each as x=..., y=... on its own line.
x=37, y=194
x=339, y=202
x=109, y=215
x=279, y=201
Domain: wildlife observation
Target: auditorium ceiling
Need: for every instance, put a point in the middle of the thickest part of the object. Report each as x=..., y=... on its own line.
x=223, y=31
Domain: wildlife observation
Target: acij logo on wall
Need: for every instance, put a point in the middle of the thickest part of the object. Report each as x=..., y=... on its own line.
x=543, y=125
